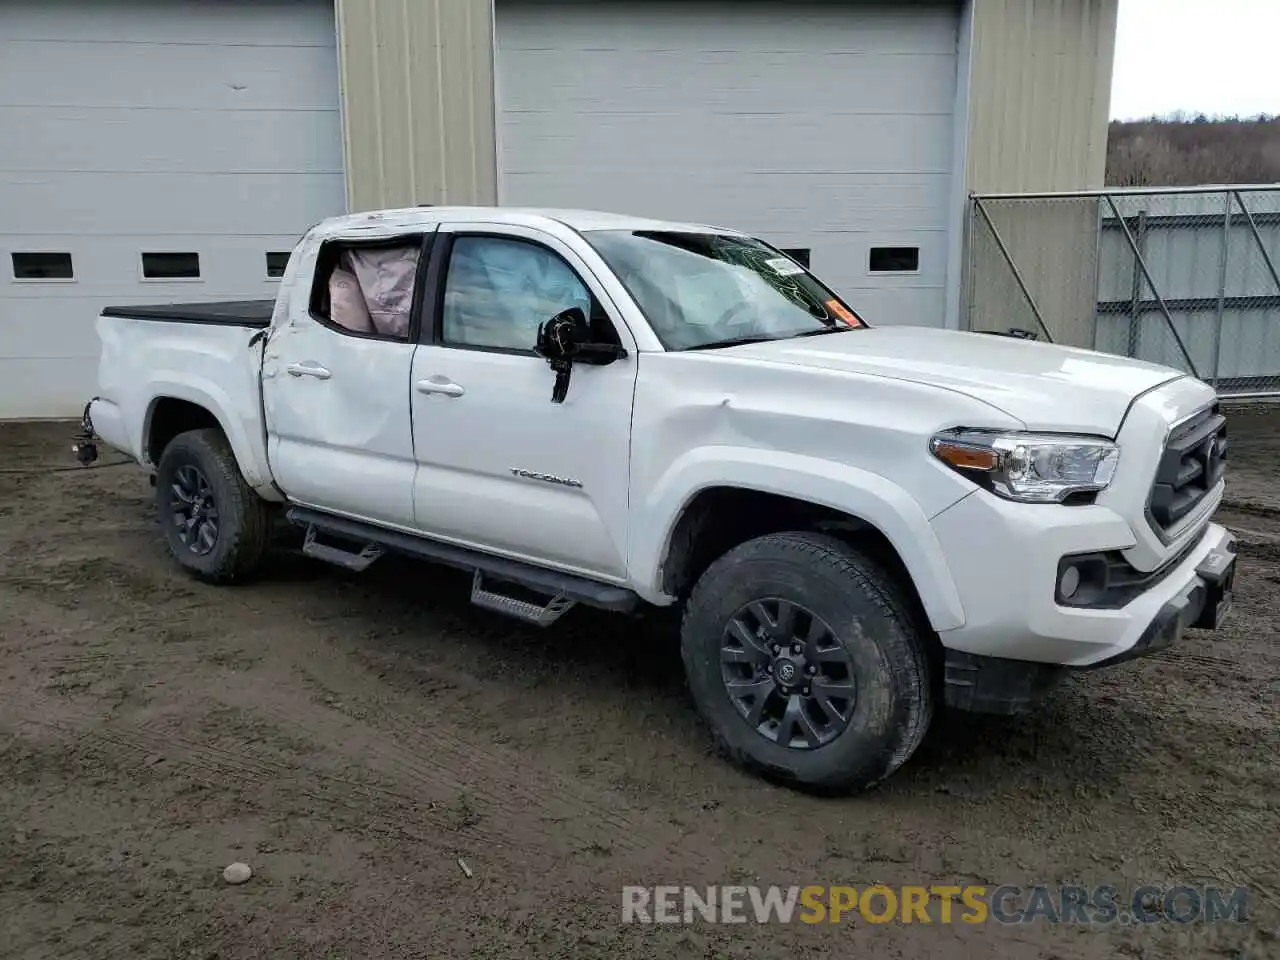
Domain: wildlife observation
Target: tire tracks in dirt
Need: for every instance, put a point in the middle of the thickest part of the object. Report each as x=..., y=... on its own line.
x=421, y=744
x=223, y=769
x=426, y=759
x=418, y=743
x=410, y=741
x=392, y=811
x=1192, y=660
x=455, y=794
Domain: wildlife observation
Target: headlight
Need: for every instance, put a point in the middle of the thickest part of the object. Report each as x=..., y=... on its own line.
x=1031, y=467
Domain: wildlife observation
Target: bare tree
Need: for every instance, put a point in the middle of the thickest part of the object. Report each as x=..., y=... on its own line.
x=1185, y=151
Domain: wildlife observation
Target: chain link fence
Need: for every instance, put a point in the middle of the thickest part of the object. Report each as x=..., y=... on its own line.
x=1184, y=277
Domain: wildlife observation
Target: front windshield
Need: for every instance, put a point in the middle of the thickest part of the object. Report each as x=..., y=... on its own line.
x=700, y=290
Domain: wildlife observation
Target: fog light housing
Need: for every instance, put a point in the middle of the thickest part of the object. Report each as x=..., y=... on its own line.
x=1082, y=580
x=1069, y=582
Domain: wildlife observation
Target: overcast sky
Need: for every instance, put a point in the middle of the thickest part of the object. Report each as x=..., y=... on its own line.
x=1201, y=56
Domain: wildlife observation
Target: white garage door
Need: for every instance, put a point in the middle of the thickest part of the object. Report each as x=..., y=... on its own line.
x=150, y=151
x=821, y=127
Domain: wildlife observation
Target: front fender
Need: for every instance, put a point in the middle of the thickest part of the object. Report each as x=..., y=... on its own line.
x=867, y=496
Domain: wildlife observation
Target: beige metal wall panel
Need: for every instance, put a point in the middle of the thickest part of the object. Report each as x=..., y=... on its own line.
x=1052, y=243
x=1039, y=101
x=1039, y=94
x=417, y=101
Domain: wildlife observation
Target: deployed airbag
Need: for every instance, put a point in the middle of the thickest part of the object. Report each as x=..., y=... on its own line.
x=346, y=303
x=386, y=276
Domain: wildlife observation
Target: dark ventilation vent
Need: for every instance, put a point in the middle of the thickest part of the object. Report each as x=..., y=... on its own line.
x=276, y=262
x=171, y=266
x=895, y=259
x=42, y=266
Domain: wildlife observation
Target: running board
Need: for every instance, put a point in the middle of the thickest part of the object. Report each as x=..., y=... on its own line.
x=312, y=547
x=563, y=588
x=542, y=615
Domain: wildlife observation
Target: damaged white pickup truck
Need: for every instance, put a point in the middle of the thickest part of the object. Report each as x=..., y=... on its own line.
x=859, y=524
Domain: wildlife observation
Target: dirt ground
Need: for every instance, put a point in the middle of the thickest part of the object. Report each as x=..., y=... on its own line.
x=352, y=736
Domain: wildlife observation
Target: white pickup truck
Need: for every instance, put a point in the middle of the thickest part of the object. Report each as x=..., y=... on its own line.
x=859, y=524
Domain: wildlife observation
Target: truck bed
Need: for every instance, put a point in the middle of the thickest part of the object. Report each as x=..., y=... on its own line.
x=207, y=354
x=223, y=313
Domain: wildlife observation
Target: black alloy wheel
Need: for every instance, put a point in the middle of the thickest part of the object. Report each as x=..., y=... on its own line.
x=194, y=510
x=788, y=675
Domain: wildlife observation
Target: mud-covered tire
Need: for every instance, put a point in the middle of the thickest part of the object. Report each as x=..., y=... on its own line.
x=868, y=614
x=243, y=519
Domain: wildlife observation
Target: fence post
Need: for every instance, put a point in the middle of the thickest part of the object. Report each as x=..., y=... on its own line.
x=1135, y=300
x=1097, y=269
x=969, y=294
x=1222, y=288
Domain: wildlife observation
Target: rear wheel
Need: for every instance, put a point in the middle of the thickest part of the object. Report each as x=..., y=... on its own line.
x=805, y=660
x=215, y=526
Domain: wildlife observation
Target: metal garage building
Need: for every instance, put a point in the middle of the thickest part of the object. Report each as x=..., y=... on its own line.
x=778, y=126
x=150, y=151
x=155, y=150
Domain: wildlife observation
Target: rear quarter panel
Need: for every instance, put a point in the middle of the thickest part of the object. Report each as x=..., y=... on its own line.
x=214, y=366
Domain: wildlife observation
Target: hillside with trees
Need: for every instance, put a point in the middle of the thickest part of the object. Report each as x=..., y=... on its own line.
x=1184, y=151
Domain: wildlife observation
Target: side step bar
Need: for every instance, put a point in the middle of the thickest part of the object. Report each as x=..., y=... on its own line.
x=312, y=547
x=563, y=589
x=542, y=615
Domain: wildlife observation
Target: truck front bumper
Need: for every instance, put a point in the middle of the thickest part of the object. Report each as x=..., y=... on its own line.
x=1202, y=603
x=1005, y=559
x=985, y=684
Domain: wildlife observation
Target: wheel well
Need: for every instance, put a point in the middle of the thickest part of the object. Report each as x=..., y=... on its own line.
x=720, y=518
x=170, y=417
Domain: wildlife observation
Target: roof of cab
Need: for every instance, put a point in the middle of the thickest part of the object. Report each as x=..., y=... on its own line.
x=409, y=218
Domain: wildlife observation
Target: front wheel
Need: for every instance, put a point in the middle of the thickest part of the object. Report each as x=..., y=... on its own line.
x=215, y=526
x=805, y=660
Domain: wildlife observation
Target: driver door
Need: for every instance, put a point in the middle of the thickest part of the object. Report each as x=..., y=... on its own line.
x=500, y=467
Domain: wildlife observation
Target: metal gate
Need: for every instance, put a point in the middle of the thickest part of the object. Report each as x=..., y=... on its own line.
x=1186, y=277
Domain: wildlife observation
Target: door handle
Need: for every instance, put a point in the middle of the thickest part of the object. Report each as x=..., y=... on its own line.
x=441, y=386
x=308, y=368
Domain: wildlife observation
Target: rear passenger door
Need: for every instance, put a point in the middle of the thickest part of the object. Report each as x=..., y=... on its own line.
x=335, y=381
x=500, y=467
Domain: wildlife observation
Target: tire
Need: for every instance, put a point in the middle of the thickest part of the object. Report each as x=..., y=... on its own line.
x=871, y=636
x=241, y=520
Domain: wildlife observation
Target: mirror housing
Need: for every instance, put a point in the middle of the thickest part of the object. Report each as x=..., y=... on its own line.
x=566, y=338
x=560, y=338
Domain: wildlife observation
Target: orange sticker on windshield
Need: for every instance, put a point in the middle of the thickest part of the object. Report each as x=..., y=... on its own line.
x=843, y=312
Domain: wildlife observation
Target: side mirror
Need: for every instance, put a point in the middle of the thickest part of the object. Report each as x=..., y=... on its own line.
x=564, y=340
x=560, y=337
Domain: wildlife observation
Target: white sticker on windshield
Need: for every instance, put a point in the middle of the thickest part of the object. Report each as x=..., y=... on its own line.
x=784, y=267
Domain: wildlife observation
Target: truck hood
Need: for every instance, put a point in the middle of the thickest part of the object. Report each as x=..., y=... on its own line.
x=1047, y=387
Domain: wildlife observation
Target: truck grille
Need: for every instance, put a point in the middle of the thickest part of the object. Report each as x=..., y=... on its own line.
x=1194, y=461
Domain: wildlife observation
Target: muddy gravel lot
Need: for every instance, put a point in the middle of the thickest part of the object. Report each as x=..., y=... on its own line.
x=352, y=736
